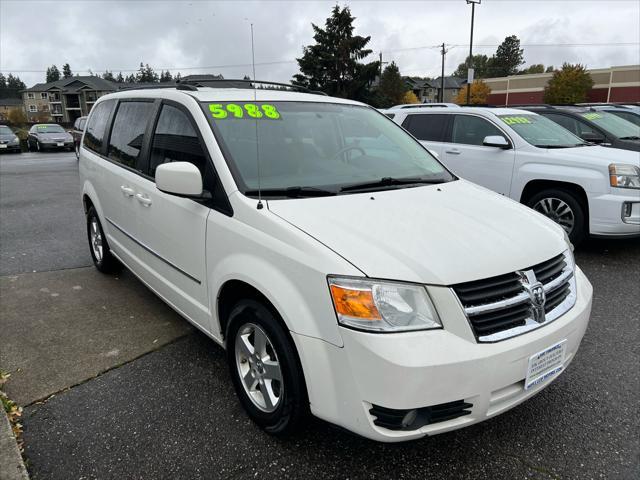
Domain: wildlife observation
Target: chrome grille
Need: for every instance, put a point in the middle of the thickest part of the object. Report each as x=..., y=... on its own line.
x=514, y=303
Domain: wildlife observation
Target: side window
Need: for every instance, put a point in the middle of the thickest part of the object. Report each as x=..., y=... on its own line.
x=470, y=130
x=127, y=134
x=97, y=125
x=426, y=127
x=585, y=129
x=564, y=121
x=175, y=140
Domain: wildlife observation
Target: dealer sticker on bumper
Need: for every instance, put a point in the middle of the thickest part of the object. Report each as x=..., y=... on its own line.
x=545, y=365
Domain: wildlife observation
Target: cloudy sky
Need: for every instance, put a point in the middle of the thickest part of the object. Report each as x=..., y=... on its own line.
x=198, y=36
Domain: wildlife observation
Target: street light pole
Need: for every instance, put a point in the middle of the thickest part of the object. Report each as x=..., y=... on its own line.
x=470, y=60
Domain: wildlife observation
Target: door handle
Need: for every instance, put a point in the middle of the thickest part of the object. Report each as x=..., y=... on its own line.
x=455, y=151
x=143, y=199
x=128, y=191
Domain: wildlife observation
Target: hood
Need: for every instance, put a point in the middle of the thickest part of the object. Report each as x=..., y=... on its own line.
x=438, y=234
x=597, y=155
x=54, y=136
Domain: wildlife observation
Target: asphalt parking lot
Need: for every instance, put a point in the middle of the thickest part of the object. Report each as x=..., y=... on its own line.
x=162, y=406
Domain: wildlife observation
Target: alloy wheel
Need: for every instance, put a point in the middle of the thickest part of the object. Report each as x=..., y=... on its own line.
x=558, y=211
x=258, y=367
x=95, y=238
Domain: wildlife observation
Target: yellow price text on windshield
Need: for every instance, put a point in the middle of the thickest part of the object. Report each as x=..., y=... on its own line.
x=221, y=111
x=592, y=116
x=514, y=120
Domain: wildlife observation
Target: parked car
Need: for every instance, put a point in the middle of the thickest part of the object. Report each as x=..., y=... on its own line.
x=586, y=188
x=9, y=141
x=49, y=136
x=627, y=113
x=346, y=271
x=76, y=133
x=599, y=127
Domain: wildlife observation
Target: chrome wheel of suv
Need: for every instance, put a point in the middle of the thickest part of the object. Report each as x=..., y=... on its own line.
x=95, y=238
x=558, y=211
x=258, y=367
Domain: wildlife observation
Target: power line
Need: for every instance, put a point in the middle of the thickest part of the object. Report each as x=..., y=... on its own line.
x=392, y=50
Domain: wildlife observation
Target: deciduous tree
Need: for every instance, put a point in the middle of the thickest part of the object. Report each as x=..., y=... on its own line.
x=570, y=84
x=480, y=67
x=409, y=97
x=334, y=63
x=479, y=93
x=535, y=68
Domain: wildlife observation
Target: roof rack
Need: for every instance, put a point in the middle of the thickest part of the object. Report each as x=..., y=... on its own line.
x=520, y=105
x=243, y=83
x=193, y=84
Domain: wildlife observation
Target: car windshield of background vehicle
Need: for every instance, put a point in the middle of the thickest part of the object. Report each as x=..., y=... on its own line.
x=49, y=129
x=619, y=127
x=322, y=146
x=5, y=131
x=541, y=132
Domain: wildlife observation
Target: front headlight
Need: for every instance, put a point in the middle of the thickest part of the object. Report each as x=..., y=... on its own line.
x=624, y=176
x=382, y=306
x=16, y=140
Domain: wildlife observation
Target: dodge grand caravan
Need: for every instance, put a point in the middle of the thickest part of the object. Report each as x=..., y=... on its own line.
x=344, y=269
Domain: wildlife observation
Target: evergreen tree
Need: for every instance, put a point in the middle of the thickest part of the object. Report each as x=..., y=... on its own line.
x=130, y=78
x=177, y=77
x=66, y=71
x=14, y=83
x=571, y=84
x=392, y=87
x=107, y=75
x=166, y=76
x=509, y=56
x=53, y=74
x=333, y=63
x=146, y=74
x=549, y=69
x=119, y=78
x=3, y=81
x=535, y=68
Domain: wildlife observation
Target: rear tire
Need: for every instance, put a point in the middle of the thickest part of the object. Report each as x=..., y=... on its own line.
x=563, y=207
x=98, y=245
x=265, y=368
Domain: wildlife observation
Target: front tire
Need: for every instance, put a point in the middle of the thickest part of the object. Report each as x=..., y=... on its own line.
x=98, y=245
x=265, y=368
x=564, y=208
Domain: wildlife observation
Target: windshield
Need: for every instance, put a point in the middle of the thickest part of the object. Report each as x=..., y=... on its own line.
x=49, y=129
x=619, y=127
x=5, y=131
x=319, y=145
x=540, y=131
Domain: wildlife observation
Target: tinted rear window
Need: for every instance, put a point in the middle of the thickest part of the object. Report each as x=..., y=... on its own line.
x=426, y=127
x=97, y=125
x=127, y=135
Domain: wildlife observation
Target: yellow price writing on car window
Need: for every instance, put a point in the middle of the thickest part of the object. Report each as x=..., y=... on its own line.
x=514, y=120
x=220, y=111
x=592, y=116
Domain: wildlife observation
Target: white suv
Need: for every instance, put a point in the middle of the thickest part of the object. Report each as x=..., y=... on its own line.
x=344, y=269
x=586, y=188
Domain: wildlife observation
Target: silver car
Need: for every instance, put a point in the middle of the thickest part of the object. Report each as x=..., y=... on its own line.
x=49, y=136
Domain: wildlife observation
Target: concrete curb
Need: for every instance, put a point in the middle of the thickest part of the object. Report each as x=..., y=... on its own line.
x=11, y=464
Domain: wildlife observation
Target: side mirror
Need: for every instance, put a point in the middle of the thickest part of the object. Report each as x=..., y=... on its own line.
x=179, y=178
x=496, y=141
x=592, y=137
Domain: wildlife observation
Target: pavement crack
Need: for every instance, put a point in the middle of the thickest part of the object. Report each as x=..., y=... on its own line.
x=531, y=466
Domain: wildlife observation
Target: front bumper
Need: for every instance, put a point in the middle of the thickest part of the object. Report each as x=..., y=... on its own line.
x=607, y=214
x=421, y=369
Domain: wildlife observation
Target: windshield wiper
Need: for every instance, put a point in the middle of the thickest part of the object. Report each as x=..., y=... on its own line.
x=291, y=192
x=388, y=182
x=630, y=137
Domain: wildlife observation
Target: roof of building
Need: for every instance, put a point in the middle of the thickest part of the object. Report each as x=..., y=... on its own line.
x=449, y=82
x=10, y=102
x=74, y=84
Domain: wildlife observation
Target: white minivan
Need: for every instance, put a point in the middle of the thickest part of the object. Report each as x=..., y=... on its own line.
x=344, y=269
x=586, y=188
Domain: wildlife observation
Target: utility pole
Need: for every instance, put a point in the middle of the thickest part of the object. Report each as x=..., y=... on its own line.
x=443, y=51
x=470, y=71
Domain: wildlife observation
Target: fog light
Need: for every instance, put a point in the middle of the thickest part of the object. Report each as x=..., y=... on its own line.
x=627, y=207
x=409, y=418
